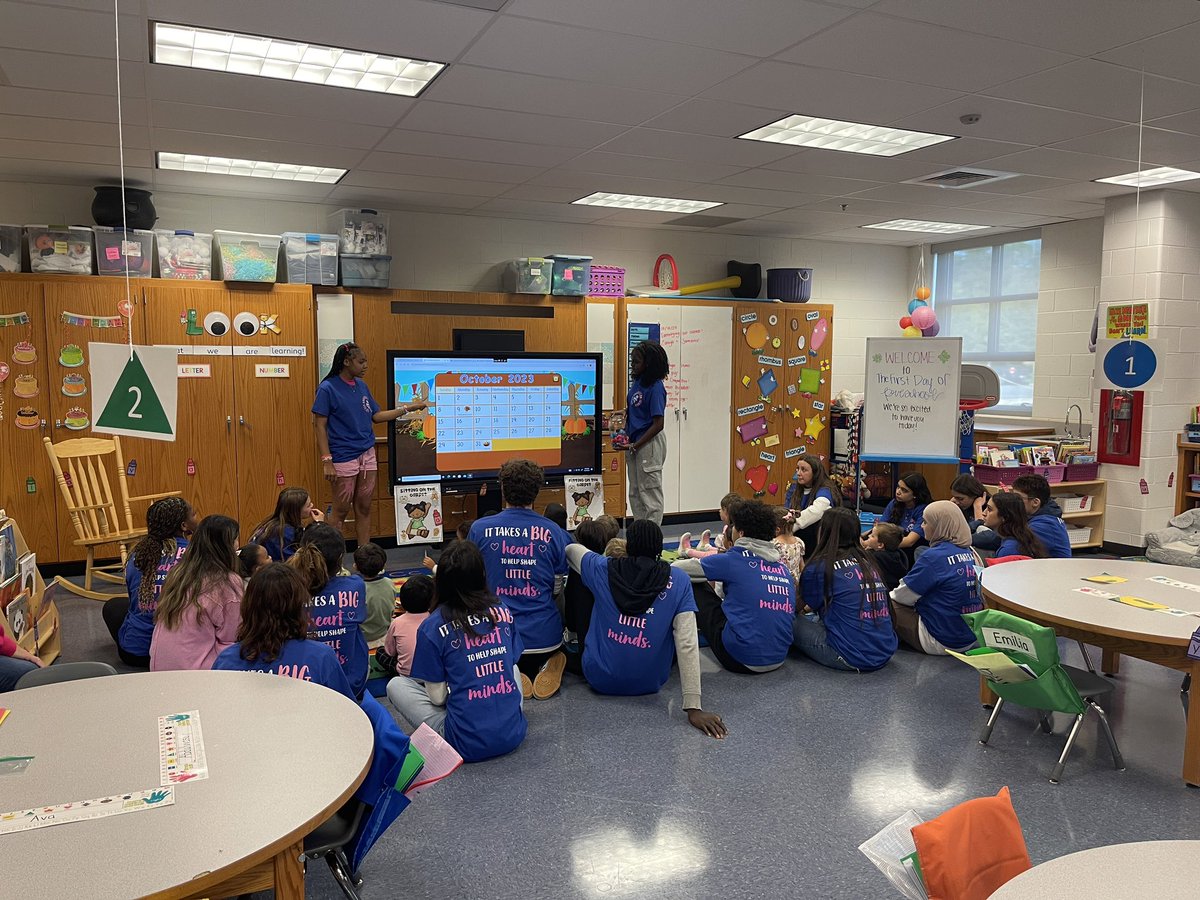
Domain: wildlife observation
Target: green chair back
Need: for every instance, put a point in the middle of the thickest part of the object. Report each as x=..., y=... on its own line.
x=1035, y=646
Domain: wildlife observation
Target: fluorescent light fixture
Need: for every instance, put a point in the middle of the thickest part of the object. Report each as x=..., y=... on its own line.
x=248, y=54
x=1151, y=177
x=657, y=204
x=847, y=137
x=221, y=165
x=929, y=227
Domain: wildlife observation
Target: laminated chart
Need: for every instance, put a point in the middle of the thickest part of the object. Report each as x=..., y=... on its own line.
x=485, y=418
x=181, y=748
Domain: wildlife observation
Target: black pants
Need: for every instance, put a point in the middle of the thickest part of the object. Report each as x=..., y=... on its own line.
x=114, y=613
x=710, y=622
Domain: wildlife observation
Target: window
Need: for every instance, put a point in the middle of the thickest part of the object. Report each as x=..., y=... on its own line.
x=986, y=292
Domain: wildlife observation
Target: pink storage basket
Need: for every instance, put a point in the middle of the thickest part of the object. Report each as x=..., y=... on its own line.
x=1083, y=471
x=606, y=281
x=1004, y=475
x=1053, y=474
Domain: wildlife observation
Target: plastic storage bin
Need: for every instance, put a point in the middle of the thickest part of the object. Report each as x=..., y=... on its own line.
x=247, y=257
x=528, y=275
x=116, y=247
x=366, y=270
x=1074, y=503
x=1077, y=536
x=311, y=258
x=571, y=273
x=606, y=281
x=10, y=248
x=184, y=255
x=789, y=285
x=362, y=232
x=65, y=249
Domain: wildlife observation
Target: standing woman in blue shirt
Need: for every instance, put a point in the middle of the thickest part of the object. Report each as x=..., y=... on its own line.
x=645, y=407
x=346, y=414
x=907, y=510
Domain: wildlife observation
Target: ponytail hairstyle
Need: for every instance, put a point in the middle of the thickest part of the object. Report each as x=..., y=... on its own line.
x=461, y=590
x=320, y=556
x=164, y=523
x=655, y=364
x=785, y=520
x=339, y=359
x=289, y=510
x=274, y=610
x=821, y=479
x=1014, y=523
x=838, y=539
x=210, y=558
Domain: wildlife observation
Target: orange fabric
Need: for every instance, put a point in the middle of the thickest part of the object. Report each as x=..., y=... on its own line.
x=969, y=851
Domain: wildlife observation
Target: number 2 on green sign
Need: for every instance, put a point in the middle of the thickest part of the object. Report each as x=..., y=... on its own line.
x=137, y=401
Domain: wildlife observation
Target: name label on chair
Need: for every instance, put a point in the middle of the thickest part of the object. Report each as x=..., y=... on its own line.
x=1194, y=645
x=1003, y=639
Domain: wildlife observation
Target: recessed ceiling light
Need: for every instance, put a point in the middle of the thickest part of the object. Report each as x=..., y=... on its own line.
x=220, y=165
x=847, y=137
x=1151, y=177
x=658, y=204
x=930, y=227
x=249, y=54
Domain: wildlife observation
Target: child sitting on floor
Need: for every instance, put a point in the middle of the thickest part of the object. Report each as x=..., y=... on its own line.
x=280, y=532
x=707, y=545
x=369, y=560
x=791, y=548
x=615, y=548
x=251, y=558
x=882, y=542
x=396, y=655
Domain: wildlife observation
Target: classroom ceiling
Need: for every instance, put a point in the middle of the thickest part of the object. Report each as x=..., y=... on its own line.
x=546, y=101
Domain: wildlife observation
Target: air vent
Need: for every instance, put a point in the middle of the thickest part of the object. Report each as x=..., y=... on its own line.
x=698, y=221
x=961, y=178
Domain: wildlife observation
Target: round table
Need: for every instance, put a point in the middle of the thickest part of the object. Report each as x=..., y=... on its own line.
x=282, y=755
x=1165, y=870
x=1046, y=591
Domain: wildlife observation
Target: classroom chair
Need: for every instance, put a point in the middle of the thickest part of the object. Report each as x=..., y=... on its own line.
x=1055, y=688
x=60, y=672
x=98, y=516
x=329, y=842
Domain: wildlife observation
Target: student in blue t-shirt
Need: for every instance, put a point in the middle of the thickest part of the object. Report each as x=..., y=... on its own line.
x=749, y=631
x=1005, y=515
x=942, y=585
x=811, y=494
x=639, y=601
x=346, y=414
x=273, y=634
x=279, y=533
x=907, y=508
x=337, y=603
x=645, y=407
x=843, y=586
x=130, y=619
x=1045, y=516
x=465, y=684
x=526, y=561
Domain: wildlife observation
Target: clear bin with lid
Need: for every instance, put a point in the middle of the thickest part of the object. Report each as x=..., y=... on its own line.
x=247, y=257
x=64, y=249
x=118, y=247
x=184, y=255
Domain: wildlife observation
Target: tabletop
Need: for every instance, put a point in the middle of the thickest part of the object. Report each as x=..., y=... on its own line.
x=281, y=753
x=1165, y=870
x=1050, y=587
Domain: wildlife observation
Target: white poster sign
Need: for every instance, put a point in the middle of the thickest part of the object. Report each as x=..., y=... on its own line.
x=418, y=514
x=135, y=390
x=585, y=498
x=910, y=407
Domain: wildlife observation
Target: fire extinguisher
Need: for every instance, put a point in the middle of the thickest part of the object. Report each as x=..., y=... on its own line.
x=1120, y=432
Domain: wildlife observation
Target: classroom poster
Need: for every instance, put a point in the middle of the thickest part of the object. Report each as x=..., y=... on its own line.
x=418, y=514
x=585, y=498
x=1127, y=320
x=135, y=390
x=910, y=407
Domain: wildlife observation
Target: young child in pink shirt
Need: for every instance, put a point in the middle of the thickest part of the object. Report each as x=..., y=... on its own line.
x=396, y=655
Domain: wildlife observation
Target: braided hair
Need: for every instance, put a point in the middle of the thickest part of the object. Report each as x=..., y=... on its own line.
x=164, y=523
x=655, y=364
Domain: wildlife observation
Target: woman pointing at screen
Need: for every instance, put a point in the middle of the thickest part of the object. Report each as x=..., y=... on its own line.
x=345, y=415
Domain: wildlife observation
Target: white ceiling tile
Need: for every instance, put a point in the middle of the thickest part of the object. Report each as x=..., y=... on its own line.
x=78, y=74
x=836, y=95
x=1081, y=27
x=1172, y=53
x=231, y=185
x=761, y=228
x=815, y=220
x=1056, y=164
x=424, y=143
x=1101, y=89
x=1188, y=122
x=355, y=195
x=759, y=28
x=962, y=152
x=927, y=54
x=733, y=193
x=507, y=125
x=447, y=167
x=190, y=117
x=852, y=165
x=52, y=29
x=884, y=210
x=249, y=148
x=562, y=51
x=56, y=151
x=605, y=163
x=926, y=195
x=1020, y=184
x=1005, y=120
x=1039, y=206
x=772, y=179
x=424, y=184
x=68, y=132
x=543, y=193
x=554, y=212
x=1081, y=191
x=638, y=217
x=412, y=28
x=1159, y=148
x=59, y=172
x=66, y=105
x=697, y=147
x=716, y=117
x=741, y=211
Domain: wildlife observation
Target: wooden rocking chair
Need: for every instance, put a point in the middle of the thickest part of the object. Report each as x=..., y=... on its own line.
x=99, y=518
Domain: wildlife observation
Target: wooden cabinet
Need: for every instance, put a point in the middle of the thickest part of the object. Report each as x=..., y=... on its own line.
x=1067, y=494
x=1186, y=494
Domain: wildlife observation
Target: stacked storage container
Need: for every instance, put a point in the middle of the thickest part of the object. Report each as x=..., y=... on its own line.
x=363, y=241
x=65, y=249
x=10, y=248
x=311, y=258
x=184, y=255
x=247, y=257
x=117, y=248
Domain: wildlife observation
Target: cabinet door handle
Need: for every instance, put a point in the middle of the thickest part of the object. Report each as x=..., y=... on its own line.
x=228, y=424
x=677, y=414
x=685, y=412
x=242, y=421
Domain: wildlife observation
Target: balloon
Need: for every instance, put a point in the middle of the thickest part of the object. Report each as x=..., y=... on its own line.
x=931, y=331
x=922, y=293
x=923, y=317
x=912, y=331
x=915, y=305
x=905, y=321
x=820, y=332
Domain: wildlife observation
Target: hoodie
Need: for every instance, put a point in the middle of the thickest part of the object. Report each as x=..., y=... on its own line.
x=759, y=604
x=892, y=564
x=1048, y=525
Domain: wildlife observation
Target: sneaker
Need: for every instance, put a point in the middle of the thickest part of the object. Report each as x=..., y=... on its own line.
x=549, y=680
x=685, y=542
x=526, y=686
x=705, y=540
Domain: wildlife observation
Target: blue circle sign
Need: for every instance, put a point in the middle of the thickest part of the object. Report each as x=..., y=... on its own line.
x=1130, y=364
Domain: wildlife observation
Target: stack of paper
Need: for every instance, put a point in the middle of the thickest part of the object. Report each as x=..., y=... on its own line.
x=893, y=852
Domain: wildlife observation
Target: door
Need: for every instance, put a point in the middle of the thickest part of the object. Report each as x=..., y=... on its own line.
x=273, y=395
x=706, y=359
x=202, y=460
x=77, y=313
x=668, y=319
x=27, y=489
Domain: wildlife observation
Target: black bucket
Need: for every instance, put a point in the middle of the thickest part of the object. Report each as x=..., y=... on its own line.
x=789, y=285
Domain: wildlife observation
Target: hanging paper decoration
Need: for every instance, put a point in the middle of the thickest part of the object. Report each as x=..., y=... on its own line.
x=70, y=356
x=70, y=318
x=28, y=418
x=9, y=321
x=76, y=419
x=191, y=466
x=131, y=469
x=191, y=319
x=279, y=480
x=30, y=485
x=125, y=308
x=24, y=353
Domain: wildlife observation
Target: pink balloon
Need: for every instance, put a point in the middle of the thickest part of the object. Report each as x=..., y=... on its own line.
x=932, y=330
x=820, y=332
x=923, y=317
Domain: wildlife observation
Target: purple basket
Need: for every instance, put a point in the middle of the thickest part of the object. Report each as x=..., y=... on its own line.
x=1083, y=471
x=1053, y=474
x=606, y=281
x=1004, y=475
x=789, y=285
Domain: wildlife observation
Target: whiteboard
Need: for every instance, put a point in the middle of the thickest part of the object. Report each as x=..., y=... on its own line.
x=910, y=407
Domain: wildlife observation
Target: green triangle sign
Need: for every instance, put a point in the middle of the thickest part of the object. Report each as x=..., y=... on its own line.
x=133, y=404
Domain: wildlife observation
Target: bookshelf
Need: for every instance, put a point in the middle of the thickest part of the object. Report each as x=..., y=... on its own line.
x=1189, y=466
x=45, y=639
x=1091, y=518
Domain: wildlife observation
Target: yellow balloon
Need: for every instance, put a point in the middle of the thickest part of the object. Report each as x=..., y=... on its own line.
x=912, y=331
x=922, y=293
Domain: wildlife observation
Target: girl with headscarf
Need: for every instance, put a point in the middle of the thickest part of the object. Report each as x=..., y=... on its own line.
x=639, y=601
x=942, y=585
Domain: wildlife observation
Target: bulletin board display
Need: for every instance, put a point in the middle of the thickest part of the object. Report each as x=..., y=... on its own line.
x=910, y=405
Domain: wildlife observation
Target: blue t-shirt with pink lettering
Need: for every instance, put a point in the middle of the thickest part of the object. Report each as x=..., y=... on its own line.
x=479, y=666
x=138, y=627
x=858, y=623
x=523, y=551
x=947, y=579
x=300, y=659
x=910, y=519
x=630, y=655
x=334, y=614
x=759, y=605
